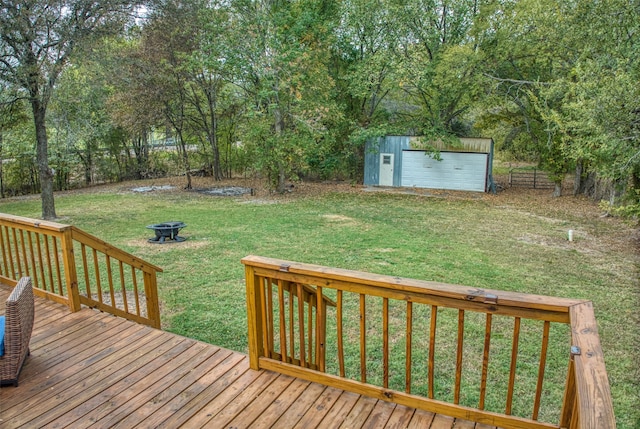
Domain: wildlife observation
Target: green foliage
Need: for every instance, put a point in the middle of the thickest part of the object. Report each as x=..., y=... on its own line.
x=629, y=208
x=294, y=89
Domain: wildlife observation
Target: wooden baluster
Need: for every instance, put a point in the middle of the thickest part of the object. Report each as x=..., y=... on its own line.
x=460, y=349
x=25, y=256
x=4, y=270
x=124, y=289
x=56, y=253
x=512, y=370
x=283, y=326
x=363, y=339
x=385, y=342
x=408, y=348
x=85, y=268
x=110, y=281
x=340, y=333
x=41, y=259
x=543, y=361
x=262, y=306
x=134, y=279
x=96, y=269
x=485, y=361
x=269, y=312
x=47, y=252
x=17, y=250
x=291, y=331
x=321, y=322
x=432, y=349
x=12, y=262
x=300, y=300
x=34, y=267
x=310, y=330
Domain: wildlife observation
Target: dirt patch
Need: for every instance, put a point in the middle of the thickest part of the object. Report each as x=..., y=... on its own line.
x=168, y=245
x=337, y=218
x=226, y=191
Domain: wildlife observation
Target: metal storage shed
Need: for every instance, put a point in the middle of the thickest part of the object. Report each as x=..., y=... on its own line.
x=402, y=161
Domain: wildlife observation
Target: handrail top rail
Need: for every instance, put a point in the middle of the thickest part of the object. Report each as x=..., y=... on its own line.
x=445, y=290
x=34, y=223
x=86, y=238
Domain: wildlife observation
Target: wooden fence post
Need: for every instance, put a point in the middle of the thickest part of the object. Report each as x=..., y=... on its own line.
x=151, y=298
x=254, y=318
x=70, y=273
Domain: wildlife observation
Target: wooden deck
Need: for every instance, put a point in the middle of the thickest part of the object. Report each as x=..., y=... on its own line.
x=92, y=369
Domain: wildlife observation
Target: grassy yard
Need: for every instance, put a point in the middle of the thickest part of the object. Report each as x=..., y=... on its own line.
x=515, y=240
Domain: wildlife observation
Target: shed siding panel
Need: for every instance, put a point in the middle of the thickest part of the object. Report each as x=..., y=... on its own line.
x=373, y=149
x=456, y=171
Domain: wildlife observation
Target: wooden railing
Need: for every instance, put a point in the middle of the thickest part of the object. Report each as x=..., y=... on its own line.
x=72, y=267
x=487, y=356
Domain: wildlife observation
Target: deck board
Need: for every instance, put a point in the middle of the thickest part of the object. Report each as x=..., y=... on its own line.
x=93, y=370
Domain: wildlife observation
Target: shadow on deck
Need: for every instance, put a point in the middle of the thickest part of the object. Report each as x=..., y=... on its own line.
x=92, y=369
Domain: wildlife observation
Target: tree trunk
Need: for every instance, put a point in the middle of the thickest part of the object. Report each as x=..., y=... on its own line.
x=557, y=190
x=185, y=159
x=279, y=127
x=578, y=186
x=213, y=134
x=45, y=172
x=87, y=166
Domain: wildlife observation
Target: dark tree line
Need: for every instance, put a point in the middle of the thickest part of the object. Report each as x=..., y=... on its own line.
x=293, y=89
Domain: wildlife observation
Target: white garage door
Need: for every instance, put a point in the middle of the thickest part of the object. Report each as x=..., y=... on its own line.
x=456, y=171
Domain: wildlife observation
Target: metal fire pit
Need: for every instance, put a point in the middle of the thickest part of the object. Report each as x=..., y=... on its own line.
x=167, y=231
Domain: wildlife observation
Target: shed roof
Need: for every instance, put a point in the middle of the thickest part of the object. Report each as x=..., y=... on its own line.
x=466, y=144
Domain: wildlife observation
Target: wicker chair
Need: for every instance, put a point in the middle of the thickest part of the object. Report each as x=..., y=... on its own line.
x=19, y=314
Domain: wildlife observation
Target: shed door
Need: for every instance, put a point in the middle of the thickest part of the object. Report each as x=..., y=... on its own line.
x=456, y=171
x=386, y=169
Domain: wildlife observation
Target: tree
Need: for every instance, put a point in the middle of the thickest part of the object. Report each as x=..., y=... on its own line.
x=521, y=61
x=599, y=117
x=437, y=64
x=280, y=63
x=12, y=114
x=37, y=41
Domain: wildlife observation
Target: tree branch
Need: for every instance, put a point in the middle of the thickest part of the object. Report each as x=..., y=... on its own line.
x=516, y=81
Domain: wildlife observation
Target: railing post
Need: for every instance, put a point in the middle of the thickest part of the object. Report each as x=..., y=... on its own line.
x=151, y=298
x=569, y=399
x=593, y=404
x=70, y=273
x=254, y=318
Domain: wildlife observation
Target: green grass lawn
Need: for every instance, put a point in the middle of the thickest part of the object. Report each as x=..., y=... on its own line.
x=511, y=241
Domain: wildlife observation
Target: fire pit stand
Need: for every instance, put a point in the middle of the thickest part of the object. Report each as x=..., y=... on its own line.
x=167, y=231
